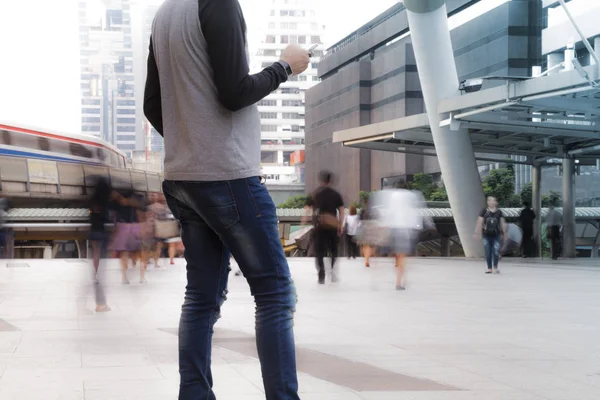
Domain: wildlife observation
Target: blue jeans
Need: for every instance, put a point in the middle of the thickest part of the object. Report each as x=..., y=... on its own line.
x=492, y=250
x=238, y=217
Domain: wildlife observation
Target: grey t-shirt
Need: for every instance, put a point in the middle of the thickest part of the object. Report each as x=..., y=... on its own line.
x=199, y=94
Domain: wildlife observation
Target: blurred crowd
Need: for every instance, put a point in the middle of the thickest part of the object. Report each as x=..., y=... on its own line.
x=131, y=227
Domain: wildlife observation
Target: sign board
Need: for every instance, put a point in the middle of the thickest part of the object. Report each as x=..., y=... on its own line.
x=42, y=171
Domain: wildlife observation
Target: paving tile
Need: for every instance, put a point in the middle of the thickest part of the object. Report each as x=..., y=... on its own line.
x=456, y=334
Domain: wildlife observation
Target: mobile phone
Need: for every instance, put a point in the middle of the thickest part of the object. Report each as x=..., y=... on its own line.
x=310, y=51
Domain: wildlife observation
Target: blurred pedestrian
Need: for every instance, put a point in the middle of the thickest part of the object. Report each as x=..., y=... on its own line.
x=327, y=206
x=401, y=218
x=553, y=225
x=126, y=239
x=350, y=228
x=491, y=228
x=527, y=218
x=367, y=248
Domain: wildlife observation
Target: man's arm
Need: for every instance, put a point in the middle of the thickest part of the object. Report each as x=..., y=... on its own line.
x=223, y=27
x=152, y=96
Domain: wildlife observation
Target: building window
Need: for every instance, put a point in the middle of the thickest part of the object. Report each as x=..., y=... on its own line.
x=126, y=147
x=314, y=65
x=285, y=25
x=270, y=52
x=290, y=91
x=90, y=111
x=292, y=103
x=270, y=39
x=268, y=142
x=266, y=64
x=301, y=39
x=125, y=128
x=126, y=138
x=129, y=111
x=317, y=53
x=90, y=102
x=303, y=78
x=268, y=115
x=291, y=116
x=126, y=120
x=315, y=39
x=92, y=120
x=284, y=13
x=293, y=39
x=315, y=79
x=293, y=78
x=268, y=103
x=285, y=39
x=268, y=128
x=127, y=103
x=295, y=128
x=268, y=157
x=271, y=25
x=90, y=128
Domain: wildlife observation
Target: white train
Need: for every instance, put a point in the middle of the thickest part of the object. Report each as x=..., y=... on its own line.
x=21, y=141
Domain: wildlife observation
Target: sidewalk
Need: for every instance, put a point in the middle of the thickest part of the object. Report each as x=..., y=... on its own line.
x=455, y=334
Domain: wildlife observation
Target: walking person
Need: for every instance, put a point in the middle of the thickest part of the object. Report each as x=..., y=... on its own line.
x=327, y=207
x=491, y=228
x=527, y=218
x=126, y=240
x=350, y=227
x=202, y=99
x=401, y=220
x=99, y=237
x=366, y=247
x=553, y=225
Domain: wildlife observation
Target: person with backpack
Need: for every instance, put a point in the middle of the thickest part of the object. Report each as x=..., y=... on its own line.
x=491, y=228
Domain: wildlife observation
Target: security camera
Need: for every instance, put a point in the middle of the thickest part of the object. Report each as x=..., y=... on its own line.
x=471, y=85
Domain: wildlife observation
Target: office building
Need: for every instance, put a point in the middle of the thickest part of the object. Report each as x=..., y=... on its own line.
x=110, y=107
x=283, y=112
x=371, y=77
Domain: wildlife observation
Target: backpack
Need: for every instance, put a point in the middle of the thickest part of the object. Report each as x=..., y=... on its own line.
x=491, y=225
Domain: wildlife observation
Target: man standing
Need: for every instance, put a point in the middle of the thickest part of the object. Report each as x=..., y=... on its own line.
x=327, y=206
x=527, y=218
x=202, y=99
x=491, y=227
x=553, y=224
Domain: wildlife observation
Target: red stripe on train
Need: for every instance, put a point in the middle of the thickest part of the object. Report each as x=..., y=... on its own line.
x=53, y=136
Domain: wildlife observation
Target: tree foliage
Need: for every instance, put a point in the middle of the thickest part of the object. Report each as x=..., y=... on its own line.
x=431, y=191
x=552, y=198
x=294, y=202
x=500, y=183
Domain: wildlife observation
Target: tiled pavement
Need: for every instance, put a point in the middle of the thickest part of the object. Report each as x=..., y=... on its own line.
x=532, y=332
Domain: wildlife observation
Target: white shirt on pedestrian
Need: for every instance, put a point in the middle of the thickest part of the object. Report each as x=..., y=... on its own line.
x=351, y=224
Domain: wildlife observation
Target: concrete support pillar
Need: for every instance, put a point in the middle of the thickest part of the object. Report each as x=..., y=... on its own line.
x=596, y=48
x=553, y=60
x=434, y=55
x=536, y=181
x=445, y=246
x=569, y=234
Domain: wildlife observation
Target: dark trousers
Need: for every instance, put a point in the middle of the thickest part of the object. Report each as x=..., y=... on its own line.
x=555, y=241
x=528, y=245
x=327, y=242
x=239, y=218
x=352, y=246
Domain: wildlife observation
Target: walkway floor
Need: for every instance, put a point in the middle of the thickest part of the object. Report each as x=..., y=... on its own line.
x=532, y=332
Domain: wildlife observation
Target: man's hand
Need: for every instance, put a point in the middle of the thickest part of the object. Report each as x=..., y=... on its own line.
x=297, y=57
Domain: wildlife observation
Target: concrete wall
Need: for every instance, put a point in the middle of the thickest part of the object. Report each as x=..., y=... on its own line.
x=384, y=85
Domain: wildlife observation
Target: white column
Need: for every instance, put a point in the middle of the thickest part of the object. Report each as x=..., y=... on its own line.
x=553, y=60
x=569, y=233
x=428, y=23
x=596, y=48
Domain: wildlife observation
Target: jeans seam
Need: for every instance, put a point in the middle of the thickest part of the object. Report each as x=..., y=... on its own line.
x=256, y=208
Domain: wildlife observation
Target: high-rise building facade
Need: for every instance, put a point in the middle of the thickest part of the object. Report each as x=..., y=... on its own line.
x=282, y=113
x=108, y=102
